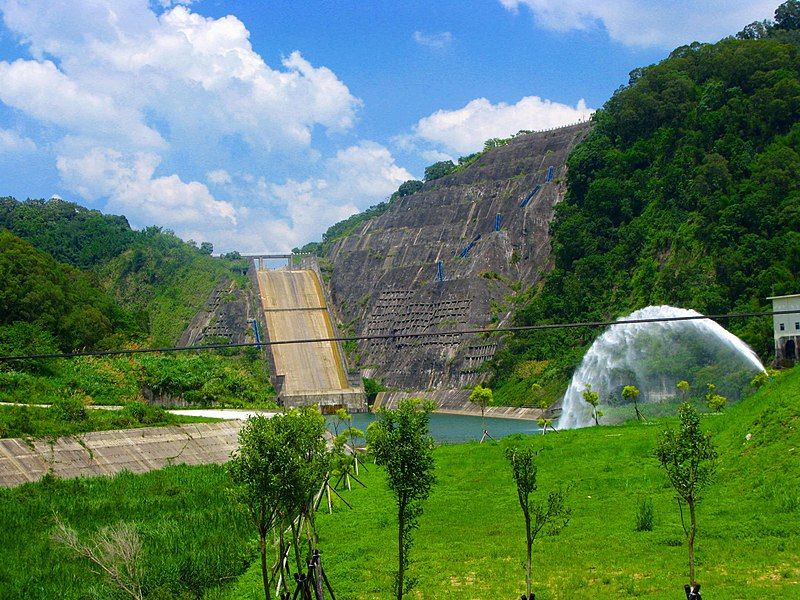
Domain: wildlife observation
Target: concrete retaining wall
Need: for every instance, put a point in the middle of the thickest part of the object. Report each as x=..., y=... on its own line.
x=110, y=452
x=456, y=402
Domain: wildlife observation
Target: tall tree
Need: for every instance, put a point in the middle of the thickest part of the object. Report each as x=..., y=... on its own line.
x=400, y=442
x=690, y=461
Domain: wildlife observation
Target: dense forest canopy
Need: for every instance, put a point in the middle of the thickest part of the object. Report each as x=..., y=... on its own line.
x=684, y=193
x=151, y=272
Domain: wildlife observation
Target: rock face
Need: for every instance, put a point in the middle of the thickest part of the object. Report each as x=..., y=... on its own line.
x=385, y=278
x=225, y=318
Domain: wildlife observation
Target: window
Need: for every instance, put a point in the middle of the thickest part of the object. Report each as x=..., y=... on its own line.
x=782, y=326
x=797, y=324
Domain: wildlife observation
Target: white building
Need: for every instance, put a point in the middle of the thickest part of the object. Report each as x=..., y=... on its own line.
x=786, y=327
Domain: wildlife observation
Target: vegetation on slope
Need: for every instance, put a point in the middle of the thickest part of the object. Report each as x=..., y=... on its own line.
x=153, y=273
x=684, y=193
x=42, y=298
x=70, y=416
x=200, y=379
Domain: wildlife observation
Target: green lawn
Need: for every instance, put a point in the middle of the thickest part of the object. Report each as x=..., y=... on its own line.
x=470, y=543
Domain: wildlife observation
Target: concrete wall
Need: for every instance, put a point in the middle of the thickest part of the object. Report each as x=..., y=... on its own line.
x=110, y=452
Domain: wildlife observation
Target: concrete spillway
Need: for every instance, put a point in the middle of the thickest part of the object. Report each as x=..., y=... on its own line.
x=311, y=373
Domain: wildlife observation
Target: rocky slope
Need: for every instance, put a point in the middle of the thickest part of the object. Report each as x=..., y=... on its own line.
x=385, y=280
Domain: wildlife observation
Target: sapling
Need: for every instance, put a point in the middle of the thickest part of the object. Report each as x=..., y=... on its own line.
x=482, y=397
x=554, y=512
x=631, y=392
x=690, y=460
x=593, y=399
x=400, y=442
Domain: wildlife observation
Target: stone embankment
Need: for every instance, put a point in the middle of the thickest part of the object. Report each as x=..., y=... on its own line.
x=110, y=452
x=456, y=402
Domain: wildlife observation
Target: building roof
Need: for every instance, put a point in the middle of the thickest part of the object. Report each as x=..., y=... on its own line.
x=787, y=296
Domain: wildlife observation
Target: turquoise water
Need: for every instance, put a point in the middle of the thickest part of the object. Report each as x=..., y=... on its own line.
x=455, y=429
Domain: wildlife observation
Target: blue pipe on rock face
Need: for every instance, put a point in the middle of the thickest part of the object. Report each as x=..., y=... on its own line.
x=530, y=196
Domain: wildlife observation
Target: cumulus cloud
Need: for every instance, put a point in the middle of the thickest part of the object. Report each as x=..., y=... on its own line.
x=121, y=63
x=433, y=40
x=135, y=94
x=13, y=142
x=130, y=184
x=465, y=129
x=648, y=22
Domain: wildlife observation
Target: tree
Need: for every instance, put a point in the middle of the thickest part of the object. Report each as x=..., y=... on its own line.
x=206, y=248
x=412, y=186
x=593, y=399
x=400, y=442
x=715, y=401
x=690, y=460
x=277, y=469
x=439, y=169
x=482, y=397
x=553, y=512
x=787, y=15
x=631, y=392
x=683, y=386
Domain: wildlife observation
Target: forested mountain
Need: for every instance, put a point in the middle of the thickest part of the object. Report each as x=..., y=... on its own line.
x=57, y=301
x=150, y=272
x=685, y=193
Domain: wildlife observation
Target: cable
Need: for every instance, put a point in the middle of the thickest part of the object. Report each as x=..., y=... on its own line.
x=394, y=336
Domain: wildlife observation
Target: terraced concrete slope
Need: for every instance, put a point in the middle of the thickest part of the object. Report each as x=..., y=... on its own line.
x=488, y=225
x=312, y=373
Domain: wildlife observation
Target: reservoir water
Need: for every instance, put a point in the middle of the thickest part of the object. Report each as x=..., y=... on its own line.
x=454, y=429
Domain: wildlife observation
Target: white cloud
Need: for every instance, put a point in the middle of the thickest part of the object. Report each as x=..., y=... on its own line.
x=13, y=142
x=218, y=177
x=102, y=62
x=433, y=40
x=466, y=129
x=649, y=22
x=136, y=93
x=131, y=188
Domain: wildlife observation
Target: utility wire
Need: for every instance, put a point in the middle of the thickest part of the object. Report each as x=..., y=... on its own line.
x=397, y=336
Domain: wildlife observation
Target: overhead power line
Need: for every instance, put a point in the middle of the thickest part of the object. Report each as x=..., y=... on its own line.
x=396, y=336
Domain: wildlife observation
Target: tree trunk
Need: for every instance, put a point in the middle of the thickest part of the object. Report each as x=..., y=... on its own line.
x=596, y=420
x=530, y=552
x=262, y=539
x=400, y=553
x=692, y=532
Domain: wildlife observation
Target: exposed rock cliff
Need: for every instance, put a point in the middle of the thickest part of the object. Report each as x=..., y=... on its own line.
x=384, y=278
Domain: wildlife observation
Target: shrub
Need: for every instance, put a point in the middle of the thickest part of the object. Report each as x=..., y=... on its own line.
x=70, y=409
x=644, y=515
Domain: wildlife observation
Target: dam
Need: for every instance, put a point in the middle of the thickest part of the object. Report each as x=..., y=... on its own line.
x=294, y=308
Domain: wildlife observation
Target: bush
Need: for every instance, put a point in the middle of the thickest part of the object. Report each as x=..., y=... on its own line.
x=644, y=516
x=70, y=409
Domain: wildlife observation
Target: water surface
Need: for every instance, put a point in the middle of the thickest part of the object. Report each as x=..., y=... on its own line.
x=454, y=429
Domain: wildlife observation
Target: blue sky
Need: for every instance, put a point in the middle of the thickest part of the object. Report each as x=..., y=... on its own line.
x=256, y=125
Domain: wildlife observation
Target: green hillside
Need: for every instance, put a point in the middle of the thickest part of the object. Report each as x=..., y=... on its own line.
x=684, y=193
x=151, y=272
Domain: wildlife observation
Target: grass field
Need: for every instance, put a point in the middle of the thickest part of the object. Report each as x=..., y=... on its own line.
x=471, y=539
x=470, y=543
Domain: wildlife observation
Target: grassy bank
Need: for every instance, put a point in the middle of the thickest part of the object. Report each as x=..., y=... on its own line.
x=70, y=417
x=470, y=543
x=193, y=538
